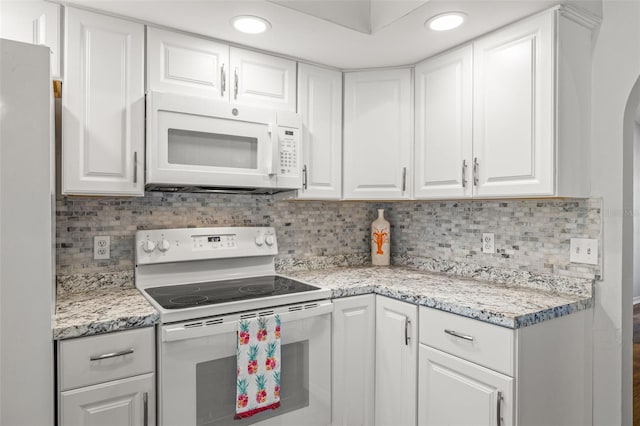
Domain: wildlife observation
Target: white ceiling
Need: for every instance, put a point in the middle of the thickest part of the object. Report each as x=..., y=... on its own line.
x=398, y=35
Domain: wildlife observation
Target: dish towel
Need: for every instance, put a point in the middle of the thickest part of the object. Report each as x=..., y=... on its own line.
x=258, y=366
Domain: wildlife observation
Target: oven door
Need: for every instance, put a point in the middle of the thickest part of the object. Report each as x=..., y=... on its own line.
x=197, y=370
x=201, y=142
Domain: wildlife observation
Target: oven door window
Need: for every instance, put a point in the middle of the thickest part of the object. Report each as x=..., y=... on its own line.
x=216, y=387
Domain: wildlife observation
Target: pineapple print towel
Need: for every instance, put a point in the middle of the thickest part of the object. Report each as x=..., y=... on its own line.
x=258, y=383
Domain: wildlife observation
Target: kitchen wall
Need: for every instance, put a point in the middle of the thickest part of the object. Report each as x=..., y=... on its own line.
x=530, y=234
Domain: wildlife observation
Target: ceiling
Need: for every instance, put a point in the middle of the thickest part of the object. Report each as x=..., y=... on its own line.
x=346, y=34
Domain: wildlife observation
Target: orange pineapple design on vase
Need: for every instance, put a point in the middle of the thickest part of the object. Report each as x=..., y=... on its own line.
x=380, y=240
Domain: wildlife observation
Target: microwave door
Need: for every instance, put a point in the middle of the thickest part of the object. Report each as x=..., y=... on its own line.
x=191, y=149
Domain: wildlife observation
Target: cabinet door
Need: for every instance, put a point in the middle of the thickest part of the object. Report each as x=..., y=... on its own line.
x=353, y=360
x=396, y=362
x=377, y=135
x=35, y=22
x=263, y=80
x=187, y=65
x=513, y=134
x=453, y=391
x=443, y=145
x=103, y=105
x=320, y=104
x=126, y=402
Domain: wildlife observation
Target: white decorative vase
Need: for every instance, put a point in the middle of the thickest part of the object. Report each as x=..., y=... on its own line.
x=380, y=240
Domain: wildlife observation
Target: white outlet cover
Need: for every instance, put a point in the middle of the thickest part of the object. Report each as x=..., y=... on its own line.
x=488, y=243
x=101, y=247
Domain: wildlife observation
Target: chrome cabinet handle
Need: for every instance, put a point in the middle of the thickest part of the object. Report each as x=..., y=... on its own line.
x=223, y=80
x=476, y=166
x=111, y=355
x=145, y=413
x=499, y=420
x=464, y=173
x=304, y=177
x=456, y=334
x=135, y=166
x=407, y=321
x=404, y=179
x=235, y=84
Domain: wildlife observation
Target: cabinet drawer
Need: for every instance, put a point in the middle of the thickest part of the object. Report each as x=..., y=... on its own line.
x=97, y=359
x=485, y=344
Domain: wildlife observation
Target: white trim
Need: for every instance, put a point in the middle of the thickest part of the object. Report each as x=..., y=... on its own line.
x=636, y=300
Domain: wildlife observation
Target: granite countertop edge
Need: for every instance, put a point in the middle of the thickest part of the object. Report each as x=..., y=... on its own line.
x=481, y=315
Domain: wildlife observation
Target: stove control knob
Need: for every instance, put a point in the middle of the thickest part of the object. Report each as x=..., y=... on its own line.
x=164, y=245
x=148, y=246
x=259, y=240
x=270, y=240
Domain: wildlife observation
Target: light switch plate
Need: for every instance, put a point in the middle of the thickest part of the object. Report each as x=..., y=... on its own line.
x=583, y=250
x=101, y=247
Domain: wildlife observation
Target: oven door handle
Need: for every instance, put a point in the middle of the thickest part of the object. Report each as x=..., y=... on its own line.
x=196, y=329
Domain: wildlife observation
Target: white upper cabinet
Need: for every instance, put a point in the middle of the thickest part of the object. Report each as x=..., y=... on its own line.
x=514, y=109
x=320, y=105
x=185, y=64
x=35, y=22
x=443, y=135
x=103, y=105
x=377, y=135
x=189, y=65
x=263, y=80
x=531, y=92
x=527, y=88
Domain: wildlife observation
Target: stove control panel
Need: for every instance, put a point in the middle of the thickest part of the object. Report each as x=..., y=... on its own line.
x=176, y=245
x=213, y=242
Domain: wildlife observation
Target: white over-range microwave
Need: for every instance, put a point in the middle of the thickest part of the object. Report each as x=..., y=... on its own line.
x=199, y=144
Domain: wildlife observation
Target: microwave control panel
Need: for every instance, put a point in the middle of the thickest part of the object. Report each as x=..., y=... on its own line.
x=288, y=141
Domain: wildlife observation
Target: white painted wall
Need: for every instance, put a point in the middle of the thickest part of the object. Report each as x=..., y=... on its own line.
x=636, y=211
x=616, y=67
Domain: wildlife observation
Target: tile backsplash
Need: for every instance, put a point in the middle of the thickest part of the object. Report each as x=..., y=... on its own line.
x=529, y=234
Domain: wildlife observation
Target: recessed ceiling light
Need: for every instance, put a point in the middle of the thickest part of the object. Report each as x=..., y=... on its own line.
x=250, y=24
x=446, y=21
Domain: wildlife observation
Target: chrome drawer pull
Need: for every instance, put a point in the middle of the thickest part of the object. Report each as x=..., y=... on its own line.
x=456, y=334
x=407, y=321
x=223, y=81
x=476, y=173
x=499, y=421
x=111, y=355
x=145, y=415
x=464, y=173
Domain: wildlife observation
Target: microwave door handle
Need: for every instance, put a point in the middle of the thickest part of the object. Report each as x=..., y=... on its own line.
x=274, y=150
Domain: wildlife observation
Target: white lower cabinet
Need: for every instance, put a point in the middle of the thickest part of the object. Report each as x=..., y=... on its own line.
x=396, y=362
x=353, y=360
x=123, y=402
x=108, y=379
x=476, y=373
x=457, y=392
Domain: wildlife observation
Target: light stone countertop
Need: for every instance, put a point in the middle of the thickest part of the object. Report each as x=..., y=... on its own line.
x=97, y=311
x=501, y=304
x=101, y=303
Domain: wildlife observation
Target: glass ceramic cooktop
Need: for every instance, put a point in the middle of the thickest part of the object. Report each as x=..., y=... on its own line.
x=216, y=292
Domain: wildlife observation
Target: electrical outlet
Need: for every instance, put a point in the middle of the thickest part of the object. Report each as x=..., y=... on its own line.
x=101, y=247
x=583, y=250
x=488, y=243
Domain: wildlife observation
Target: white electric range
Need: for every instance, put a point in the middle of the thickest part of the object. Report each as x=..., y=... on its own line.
x=203, y=281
